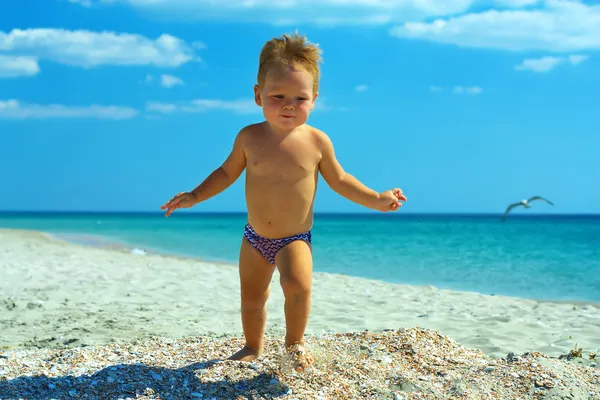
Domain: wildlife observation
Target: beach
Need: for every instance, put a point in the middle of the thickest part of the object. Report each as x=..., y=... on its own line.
x=58, y=295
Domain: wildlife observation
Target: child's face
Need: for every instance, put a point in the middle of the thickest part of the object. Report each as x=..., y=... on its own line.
x=287, y=97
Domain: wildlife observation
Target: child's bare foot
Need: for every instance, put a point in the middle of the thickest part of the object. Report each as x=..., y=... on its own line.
x=246, y=354
x=300, y=358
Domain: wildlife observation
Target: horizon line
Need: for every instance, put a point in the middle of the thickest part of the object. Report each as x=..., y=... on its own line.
x=457, y=213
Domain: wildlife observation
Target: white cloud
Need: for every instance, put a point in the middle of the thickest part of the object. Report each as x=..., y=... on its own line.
x=169, y=81
x=204, y=105
x=560, y=26
x=239, y=106
x=472, y=90
x=13, y=66
x=548, y=63
x=361, y=88
x=543, y=64
x=163, y=108
x=84, y=3
x=576, y=59
x=515, y=3
x=469, y=90
x=14, y=109
x=322, y=104
x=291, y=12
x=89, y=49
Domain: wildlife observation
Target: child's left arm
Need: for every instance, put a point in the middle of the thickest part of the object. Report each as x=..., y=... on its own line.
x=351, y=188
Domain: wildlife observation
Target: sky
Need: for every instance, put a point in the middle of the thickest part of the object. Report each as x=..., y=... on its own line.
x=466, y=105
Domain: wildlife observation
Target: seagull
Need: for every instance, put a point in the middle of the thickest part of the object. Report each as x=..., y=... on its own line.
x=525, y=203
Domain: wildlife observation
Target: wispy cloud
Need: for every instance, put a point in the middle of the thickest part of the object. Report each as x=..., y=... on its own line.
x=576, y=59
x=162, y=108
x=472, y=90
x=543, y=64
x=88, y=49
x=14, y=109
x=548, y=63
x=240, y=106
x=322, y=104
x=457, y=89
x=516, y=3
x=291, y=12
x=84, y=3
x=560, y=26
x=14, y=66
x=361, y=88
x=169, y=81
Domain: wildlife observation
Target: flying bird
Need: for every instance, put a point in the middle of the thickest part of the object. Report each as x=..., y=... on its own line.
x=525, y=203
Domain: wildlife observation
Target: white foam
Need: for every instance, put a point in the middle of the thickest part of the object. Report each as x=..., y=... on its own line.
x=140, y=252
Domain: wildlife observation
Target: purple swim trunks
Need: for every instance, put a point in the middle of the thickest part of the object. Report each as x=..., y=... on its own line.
x=270, y=247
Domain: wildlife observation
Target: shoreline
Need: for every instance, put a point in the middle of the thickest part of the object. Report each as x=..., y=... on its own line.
x=123, y=247
x=57, y=294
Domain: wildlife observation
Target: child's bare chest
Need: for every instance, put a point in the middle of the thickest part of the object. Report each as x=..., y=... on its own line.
x=294, y=159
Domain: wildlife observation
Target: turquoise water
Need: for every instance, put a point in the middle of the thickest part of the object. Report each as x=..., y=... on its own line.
x=543, y=257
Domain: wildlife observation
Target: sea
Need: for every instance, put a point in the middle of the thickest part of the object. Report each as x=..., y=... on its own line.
x=544, y=257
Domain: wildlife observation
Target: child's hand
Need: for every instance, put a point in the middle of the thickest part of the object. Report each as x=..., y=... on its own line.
x=181, y=200
x=390, y=200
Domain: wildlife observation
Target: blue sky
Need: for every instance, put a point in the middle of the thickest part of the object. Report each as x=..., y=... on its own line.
x=467, y=105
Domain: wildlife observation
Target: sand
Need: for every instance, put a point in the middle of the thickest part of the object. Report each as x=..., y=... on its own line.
x=398, y=364
x=55, y=294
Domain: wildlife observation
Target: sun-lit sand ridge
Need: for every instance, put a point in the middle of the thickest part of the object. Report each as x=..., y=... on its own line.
x=56, y=294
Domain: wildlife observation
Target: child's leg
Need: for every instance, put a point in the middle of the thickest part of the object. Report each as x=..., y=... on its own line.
x=295, y=268
x=255, y=278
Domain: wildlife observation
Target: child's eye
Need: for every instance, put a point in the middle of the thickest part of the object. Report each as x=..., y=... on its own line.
x=300, y=98
x=278, y=96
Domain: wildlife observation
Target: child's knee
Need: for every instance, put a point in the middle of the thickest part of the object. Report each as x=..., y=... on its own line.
x=295, y=287
x=254, y=300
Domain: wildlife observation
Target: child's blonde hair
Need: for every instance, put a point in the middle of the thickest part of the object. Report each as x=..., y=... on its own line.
x=290, y=51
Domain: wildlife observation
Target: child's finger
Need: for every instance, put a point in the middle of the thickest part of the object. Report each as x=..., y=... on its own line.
x=170, y=211
x=174, y=202
x=176, y=198
x=166, y=205
x=399, y=194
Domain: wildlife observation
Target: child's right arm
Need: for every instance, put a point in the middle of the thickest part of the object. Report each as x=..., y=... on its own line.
x=225, y=175
x=219, y=180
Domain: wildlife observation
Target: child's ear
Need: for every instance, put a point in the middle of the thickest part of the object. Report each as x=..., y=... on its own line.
x=314, y=99
x=257, y=98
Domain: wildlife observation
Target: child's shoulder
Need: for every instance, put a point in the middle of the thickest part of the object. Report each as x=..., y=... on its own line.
x=249, y=132
x=252, y=128
x=313, y=132
x=320, y=137
x=256, y=131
